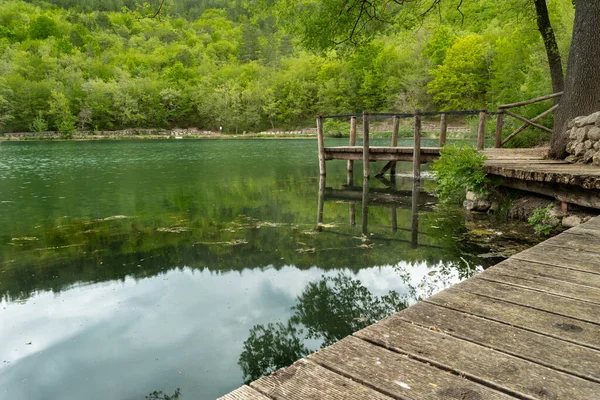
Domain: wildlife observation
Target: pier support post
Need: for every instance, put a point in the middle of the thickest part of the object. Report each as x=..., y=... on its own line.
x=499, y=126
x=414, y=225
x=365, y=145
x=395, y=129
x=321, y=203
x=443, y=129
x=365, y=206
x=417, y=147
x=321, y=144
x=352, y=143
x=481, y=130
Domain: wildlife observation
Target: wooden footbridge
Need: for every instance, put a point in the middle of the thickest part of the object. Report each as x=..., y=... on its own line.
x=527, y=328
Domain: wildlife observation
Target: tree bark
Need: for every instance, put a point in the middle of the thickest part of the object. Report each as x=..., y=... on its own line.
x=554, y=59
x=582, y=85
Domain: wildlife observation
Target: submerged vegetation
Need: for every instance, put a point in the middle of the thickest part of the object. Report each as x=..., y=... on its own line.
x=104, y=65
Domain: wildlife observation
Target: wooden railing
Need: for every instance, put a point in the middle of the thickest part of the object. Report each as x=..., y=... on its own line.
x=503, y=110
x=416, y=153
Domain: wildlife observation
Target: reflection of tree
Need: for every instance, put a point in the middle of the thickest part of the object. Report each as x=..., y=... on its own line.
x=161, y=396
x=335, y=307
x=269, y=348
x=329, y=310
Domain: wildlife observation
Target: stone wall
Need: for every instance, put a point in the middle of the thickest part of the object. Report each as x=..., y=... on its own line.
x=584, y=140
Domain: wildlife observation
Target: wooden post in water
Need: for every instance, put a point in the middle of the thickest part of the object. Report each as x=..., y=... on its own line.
x=365, y=145
x=499, y=126
x=352, y=143
x=443, y=129
x=321, y=203
x=321, y=144
x=417, y=147
x=395, y=129
x=481, y=130
x=365, y=206
x=414, y=228
x=352, y=212
x=394, y=219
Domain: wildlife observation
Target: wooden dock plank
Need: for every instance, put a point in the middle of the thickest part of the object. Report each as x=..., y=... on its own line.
x=495, y=369
x=244, y=393
x=545, y=350
x=574, y=259
x=576, y=309
x=548, y=273
x=530, y=280
x=576, y=241
x=397, y=376
x=305, y=380
x=560, y=327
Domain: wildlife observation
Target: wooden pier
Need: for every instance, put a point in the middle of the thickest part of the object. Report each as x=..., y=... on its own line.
x=527, y=328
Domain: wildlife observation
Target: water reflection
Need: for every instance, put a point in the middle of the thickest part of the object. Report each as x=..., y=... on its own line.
x=327, y=311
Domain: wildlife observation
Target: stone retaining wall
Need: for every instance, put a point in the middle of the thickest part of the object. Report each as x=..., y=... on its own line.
x=584, y=140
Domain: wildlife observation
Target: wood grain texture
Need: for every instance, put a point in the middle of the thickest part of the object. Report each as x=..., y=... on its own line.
x=534, y=277
x=576, y=309
x=305, y=380
x=244, y=393
x=560, y=327
x=571, y=259
x=545, y=350
x=397, y=376
x=495, y=369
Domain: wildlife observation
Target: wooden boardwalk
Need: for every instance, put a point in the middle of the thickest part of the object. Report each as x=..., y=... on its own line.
x=527, y=328
x=529, y=170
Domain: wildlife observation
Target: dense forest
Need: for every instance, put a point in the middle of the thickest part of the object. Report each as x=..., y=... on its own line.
x=103, y=65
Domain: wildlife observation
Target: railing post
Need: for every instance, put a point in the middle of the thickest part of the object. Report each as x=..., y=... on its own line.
x=417, y=147
x=499, y=126
x=395, y=129
x=365, y=145
x=321, y=144
x=443, y=129
x=321, y=203
x=352, y=143
x=481, y=130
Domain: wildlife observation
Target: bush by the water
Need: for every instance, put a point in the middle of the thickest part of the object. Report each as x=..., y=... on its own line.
x=336, y=128
x=459, y=168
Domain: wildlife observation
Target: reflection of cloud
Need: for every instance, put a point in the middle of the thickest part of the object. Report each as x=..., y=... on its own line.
x=124, y=339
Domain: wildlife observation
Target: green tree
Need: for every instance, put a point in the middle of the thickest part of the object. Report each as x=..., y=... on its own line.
x=60, y=111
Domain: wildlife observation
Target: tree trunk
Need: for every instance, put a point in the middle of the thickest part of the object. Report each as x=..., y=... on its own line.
x=554, y=59
x=582, y=86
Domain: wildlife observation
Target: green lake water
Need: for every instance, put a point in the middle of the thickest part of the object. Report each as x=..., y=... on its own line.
x=133, y=267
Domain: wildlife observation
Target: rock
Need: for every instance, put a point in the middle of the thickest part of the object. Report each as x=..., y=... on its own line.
x=571, y=221
x=579, y=149
x=594, y=133
x=571, y=159
x=495, y=206
x=597, y=146
x=596, y=118
x=477, y=205
x=578, y=122
x=596, y=159
x=572, y=133
x=582, y=134
x=471, y=196
x=588, y=156
x=588, y=144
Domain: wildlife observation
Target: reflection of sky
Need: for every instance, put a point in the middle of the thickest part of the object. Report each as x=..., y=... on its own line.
x=123, y=340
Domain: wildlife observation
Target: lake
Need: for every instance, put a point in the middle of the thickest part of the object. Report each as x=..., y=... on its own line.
x=138, y=269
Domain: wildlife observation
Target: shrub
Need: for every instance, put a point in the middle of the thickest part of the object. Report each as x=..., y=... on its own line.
x=38, y=124
x=459, y=168
x=541, y=220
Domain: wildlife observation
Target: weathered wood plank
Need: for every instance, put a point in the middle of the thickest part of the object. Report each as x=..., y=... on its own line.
x=557, y=256
x=526, y=102
x=443, y=129
x=553, y=353
x=576, y=309
x=244, y=393
x=549, y=275
x=576, y=241
x=382, y=149
x=526, y=280
x=397, y=376
x=378, y=157
x=306, y=380
x=565, y=328
x=498, y=370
